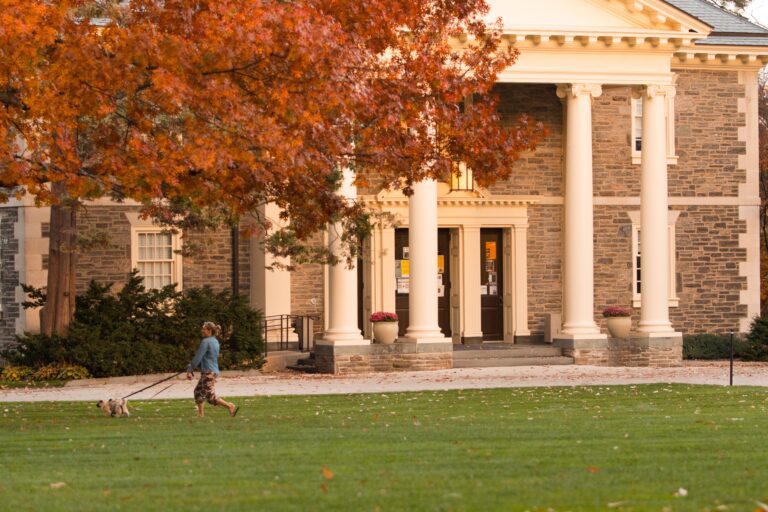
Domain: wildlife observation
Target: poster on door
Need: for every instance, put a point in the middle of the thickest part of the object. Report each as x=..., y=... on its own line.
x=490, y=250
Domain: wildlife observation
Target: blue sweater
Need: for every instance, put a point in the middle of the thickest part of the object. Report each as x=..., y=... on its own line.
x=207, y=356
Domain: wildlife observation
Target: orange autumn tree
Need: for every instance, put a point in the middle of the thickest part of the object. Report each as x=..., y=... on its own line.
x=227, y=105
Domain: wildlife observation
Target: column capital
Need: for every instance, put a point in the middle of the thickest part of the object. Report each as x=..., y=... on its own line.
x=653, y=91
x=575, y=90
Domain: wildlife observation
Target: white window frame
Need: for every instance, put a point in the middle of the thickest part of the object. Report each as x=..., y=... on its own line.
x=673, y=299
x=141, y=226
x=637, y=116
x=464, y=182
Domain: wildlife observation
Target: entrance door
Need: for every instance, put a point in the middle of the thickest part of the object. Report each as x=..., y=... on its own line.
x=402, y=273
x=492, y=281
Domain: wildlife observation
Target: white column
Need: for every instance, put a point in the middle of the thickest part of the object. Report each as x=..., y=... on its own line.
x=471, y=299
x=578, y=260
x=422, y=240
x=654, y=204
x=342, y=283
x=521, y=280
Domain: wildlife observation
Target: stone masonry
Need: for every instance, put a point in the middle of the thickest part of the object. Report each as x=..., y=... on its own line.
x=9, y=275
x=210, y=265
x=707, y=147
x=383, y=358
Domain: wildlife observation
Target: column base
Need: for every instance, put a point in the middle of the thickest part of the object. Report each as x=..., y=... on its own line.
x=427, y=340
x=589, y=349
x=341, y=342
x=658, y=350
x=397, y=357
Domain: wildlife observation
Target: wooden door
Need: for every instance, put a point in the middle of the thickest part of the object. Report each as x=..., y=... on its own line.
x=492, y=282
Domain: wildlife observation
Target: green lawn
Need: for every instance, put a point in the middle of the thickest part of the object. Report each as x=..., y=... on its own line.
x=593, y=448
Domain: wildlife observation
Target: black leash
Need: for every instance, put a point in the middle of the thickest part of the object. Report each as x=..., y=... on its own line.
x=153, y=385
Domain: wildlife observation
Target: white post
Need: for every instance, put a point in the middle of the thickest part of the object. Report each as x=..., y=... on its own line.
x=654, y=205
x=520, y=293
x=422, y=240
x=342, y=296
x=578, y=260
x=471, y=298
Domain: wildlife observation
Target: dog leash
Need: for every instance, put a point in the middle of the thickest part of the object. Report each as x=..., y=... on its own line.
x=153, y=385
x=166, y=387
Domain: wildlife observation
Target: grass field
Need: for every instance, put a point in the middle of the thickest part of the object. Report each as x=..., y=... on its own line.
x=650, y=447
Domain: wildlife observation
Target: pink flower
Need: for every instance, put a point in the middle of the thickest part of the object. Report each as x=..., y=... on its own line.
x=616, y=311
x=383, y=316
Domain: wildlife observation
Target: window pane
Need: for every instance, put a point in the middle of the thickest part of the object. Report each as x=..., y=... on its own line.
x=155, y=258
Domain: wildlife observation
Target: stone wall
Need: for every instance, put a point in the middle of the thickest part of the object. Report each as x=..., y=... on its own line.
x=210, y=264
x=397, y=357
x=541, y=172
x=708, y=257
x=308, y=290
x=708, y=121
x=634, y=351
x=545, y=282
x=9, y=275
x=109, y=263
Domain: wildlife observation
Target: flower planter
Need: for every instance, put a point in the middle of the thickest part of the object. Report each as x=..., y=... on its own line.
x=619, y=326
x=385, y=333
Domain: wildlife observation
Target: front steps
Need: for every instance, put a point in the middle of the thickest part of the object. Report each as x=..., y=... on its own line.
x=489, y=355
x=305, y=364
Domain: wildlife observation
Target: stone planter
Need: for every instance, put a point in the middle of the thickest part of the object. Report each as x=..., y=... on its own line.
x=385, y=332
x=619, y=326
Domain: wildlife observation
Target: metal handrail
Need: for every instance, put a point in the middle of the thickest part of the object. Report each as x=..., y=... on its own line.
x=288, y=329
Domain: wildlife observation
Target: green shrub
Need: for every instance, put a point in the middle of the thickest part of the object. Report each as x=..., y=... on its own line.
x=16, y=373
x=137, y=331
x=712, y=346
x=60, y=372
x=757, y=340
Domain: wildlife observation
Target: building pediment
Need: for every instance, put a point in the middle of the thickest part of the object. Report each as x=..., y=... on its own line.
x=598, y=18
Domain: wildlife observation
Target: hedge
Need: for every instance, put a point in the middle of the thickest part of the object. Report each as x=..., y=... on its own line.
x=139, y=331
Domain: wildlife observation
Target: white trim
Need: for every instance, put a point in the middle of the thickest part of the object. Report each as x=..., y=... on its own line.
x=750, y=163
x=139, y=225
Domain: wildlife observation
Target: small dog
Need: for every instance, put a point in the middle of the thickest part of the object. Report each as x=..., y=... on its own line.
x=114, y=407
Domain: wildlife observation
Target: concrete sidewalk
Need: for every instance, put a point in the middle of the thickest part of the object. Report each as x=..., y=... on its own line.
x=253, y=384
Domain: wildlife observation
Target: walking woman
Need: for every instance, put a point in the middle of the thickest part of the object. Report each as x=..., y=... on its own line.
x=207, y=358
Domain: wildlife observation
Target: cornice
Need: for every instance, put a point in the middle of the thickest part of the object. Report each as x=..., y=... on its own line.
x=390, y=201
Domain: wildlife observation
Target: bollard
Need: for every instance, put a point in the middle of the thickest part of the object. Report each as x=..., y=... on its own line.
x=731, y=380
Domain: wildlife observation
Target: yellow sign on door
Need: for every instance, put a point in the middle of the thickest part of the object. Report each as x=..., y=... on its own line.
x=440, y=264
x=490, y=250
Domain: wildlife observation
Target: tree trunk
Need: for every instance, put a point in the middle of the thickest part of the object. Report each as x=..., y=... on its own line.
x=60, y=295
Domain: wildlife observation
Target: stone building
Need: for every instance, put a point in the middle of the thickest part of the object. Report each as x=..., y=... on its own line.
x=644, y=195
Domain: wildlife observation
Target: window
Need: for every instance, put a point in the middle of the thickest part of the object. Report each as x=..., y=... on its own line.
x=637, y=261
x=461, y=178
x=637, y=130
x=154, y=253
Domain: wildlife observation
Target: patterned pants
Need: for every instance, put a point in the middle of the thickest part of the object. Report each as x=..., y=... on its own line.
x=206, y=389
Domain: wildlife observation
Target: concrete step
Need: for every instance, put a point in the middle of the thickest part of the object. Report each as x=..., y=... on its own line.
x=509, y=351
x=305, y=365
x=493, y=361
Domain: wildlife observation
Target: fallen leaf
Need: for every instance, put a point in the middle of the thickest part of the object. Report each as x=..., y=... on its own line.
x=57, y=485
x=327, y=473
x=323, y=487
x=593, y=469
x=681, y=492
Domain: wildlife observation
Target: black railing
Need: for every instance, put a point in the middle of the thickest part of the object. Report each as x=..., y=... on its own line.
x=289, y=332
